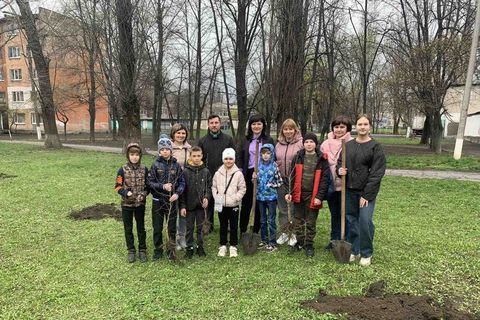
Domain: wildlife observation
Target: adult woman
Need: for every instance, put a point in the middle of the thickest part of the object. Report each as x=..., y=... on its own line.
x=246, y=162
x=341, y=127
x=364, y=169
x=181, y=152
x=289, y=142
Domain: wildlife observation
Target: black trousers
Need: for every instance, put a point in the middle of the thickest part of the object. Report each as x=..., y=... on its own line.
x=211, y=212
x=305, y=222
x=247, y=202
x=228, y=218
x=164, y=210
x=197, y=217
x=127, y=216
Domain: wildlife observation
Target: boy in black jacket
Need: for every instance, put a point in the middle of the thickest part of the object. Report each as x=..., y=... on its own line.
x=194, y=200
x=131, y=185
x=166, y=182
x=309, y=185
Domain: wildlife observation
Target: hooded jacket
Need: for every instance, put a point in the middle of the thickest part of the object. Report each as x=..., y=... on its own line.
x=333, y=147
x=285, y=152
x=237, y=188
x=366, y=165
x=165, y=171
x=268, y=176
x=198, y=185
x=320, y=182
x=132, y=177
x=181, y=153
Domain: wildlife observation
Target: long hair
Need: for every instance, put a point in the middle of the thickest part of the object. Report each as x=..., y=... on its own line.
x=177, y=127
x=256, y=118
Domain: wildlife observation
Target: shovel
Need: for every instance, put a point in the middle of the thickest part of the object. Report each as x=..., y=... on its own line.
x=342, y=249
x=250, y=240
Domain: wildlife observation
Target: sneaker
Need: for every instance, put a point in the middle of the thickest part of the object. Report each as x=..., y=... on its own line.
x=309, y=251
x=222, y=251
x=178, y=247
x=142, y=256
x=183, y=242
x=262, y=245
x=201, y=252
x=294, y=249
x=354, y=257
x=233, y=252
x=157, y=255
x=365, y=262
x=282, y=239
x=189, y=253
x=271, y=248
x=292, y=241
x=131, y=256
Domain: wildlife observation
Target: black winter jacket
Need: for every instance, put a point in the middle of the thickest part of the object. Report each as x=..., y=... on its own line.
x=213, y=147
x=163, y=172
x=366, y=166
x=243, y=153
x=198, y=185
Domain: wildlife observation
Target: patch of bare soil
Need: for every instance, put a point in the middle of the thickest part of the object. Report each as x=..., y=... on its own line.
x=6, y=176
x=97, y=212
x=376, y=304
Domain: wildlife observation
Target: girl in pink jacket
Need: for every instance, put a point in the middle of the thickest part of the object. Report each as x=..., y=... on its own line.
x=341, y=127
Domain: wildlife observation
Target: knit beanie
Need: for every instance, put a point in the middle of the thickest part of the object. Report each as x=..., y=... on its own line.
x=228, y=153
x=310, y=136
x=164, y=143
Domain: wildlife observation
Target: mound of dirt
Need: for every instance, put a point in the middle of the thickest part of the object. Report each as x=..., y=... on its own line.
x=6, y=176
x=376, y=304
x=97, y=212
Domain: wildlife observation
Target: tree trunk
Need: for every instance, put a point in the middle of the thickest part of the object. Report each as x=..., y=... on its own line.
x=126, y=62
x=241, y=61
x=158, y=82
x=426, y=129
x=437, y=133
x=198, y=70
x=45, y=93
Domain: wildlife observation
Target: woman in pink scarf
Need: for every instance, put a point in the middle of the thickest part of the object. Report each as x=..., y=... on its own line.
x=341, y=128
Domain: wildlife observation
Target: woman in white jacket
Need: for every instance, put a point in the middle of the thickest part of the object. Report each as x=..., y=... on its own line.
x=228, y=189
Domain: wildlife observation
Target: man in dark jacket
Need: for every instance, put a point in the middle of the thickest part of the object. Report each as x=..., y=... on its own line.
x=194, y=200
x=213, y=144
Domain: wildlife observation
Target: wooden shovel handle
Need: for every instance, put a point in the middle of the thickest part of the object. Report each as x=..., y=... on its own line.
x=344, y=178
x=251, y=221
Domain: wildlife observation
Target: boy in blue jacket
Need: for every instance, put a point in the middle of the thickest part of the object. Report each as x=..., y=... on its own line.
x=268, y=180
x=166, y=182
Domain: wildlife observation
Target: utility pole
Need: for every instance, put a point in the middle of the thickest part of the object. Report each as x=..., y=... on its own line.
x=457, y=153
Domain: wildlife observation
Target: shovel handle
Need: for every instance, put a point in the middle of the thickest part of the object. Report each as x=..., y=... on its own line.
x=343, y=199
x=251, y=221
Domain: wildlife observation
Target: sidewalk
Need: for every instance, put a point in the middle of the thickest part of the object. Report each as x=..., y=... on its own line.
x=423, y=174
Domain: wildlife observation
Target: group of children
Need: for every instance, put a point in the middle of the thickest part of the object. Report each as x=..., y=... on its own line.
x=190, y=190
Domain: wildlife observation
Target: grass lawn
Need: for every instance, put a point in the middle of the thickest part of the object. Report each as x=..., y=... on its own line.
x=431, y=161
x=54, y=267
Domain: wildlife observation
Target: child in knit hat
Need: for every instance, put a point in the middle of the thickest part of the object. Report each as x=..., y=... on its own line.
x=228, y=189
x=166, y=182
x=309, y=185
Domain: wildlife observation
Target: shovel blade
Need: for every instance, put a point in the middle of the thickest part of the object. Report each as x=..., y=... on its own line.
x=341, y=250
x=250, y=241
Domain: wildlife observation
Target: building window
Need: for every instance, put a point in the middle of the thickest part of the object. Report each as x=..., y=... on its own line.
x=16, y=74
x=34, y=118
x=19, y=118
x=14, y=52
x=2, y=97
x=1, y=73
x=18, y=96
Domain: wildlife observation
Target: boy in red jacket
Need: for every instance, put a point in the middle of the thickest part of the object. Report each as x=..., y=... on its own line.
x=309, y=186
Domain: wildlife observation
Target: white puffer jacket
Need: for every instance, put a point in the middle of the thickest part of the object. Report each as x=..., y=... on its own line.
x=235, y=191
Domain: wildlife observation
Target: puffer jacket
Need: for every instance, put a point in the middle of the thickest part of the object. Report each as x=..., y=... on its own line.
x=366, y=165
x=268, y=177
x=198, y=185
x=235, y=191
x=333, y=147
x=181, y=153
x=132, y=177
x=162, y=172
x=285, y=152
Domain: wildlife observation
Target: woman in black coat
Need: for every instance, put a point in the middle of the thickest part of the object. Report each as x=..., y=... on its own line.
x=245, y=160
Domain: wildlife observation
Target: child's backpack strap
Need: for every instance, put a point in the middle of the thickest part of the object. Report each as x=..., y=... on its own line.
x=229, y=181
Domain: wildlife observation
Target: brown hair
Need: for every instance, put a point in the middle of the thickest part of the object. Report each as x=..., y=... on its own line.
x=177, y=127
x=342, y=120
x=196, y=149
x=365, y=116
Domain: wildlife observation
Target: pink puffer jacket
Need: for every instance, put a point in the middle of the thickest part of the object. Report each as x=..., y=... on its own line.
x=285, y=152
x=333, y=147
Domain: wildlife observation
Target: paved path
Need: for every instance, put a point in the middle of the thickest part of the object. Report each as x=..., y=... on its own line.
x=427, y=174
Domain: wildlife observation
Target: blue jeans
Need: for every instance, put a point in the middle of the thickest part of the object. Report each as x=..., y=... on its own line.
x=362, y=229
x=335, y=206
x=268, y=227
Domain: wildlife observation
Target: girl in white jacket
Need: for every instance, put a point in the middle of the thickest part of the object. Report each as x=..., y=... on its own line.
x=228, y=189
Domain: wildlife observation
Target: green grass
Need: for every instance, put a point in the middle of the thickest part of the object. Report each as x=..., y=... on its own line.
x=400, y=140
x=435, y=162
x=53, y=267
